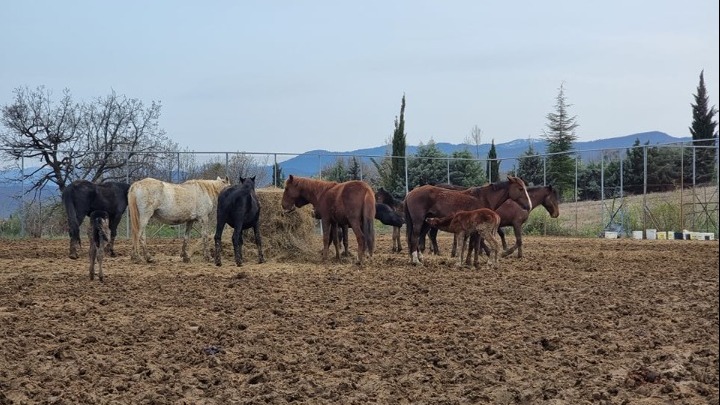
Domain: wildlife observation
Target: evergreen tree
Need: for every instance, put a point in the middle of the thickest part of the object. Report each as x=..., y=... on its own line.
x=465, y=170
x=560, y=135
x=278, y=176
x=354, y=170
x=530, y=167
x=493, y=164
x=427, y=166
x=397, y=169
x=633, y=171
x=703, y=134
x=336, y=172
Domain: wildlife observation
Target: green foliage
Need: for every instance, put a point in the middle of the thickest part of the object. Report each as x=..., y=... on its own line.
x=703, y=134
x=427, y=166
x=540, y=223
x=278, y=178
x=397, y=167
x=335, y=172
x=354, y=170
x=560, y=135
x=492, y=165
x=530, y=167
x=465, y=170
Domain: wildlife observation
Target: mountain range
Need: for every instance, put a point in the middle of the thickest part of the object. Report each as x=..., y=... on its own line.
x=311, y=162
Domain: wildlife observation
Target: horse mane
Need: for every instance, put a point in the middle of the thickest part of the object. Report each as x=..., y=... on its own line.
x=211, y=187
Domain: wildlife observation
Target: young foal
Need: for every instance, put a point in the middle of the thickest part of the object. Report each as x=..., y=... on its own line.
x=483, y=221
x=99, y=236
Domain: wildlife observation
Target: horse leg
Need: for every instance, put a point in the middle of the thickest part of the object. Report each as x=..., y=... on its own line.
x=334, y=234
x=328, y=231
x=110, y=247
x=139, y=241
x=100, y=254
x=471, y=249
x=258, y=242
x=183, y=252
x=518, y=242
x=220, y=226
x=93, y=256
x=75, y=237
x=237, y=240
x=346, y=252
x=434, y=245
x=357, y=230
x=495, y=245
x=396, y=239
x=460, y=237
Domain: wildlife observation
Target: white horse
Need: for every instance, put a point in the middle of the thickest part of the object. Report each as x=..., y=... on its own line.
x=172, y=204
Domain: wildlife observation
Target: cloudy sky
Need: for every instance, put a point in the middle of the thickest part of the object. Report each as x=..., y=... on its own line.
x=294, y=76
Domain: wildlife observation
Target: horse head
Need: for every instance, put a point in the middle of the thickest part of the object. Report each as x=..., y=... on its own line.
x=551, y=202
x=292, y=195
x=518, y=192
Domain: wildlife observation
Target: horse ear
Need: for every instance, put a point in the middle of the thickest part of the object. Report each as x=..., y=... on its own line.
x=242, y=179
x=290, y=178
x=253, y=179
x=227, y=179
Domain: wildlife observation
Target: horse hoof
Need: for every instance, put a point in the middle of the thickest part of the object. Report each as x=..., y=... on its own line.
x=73, y=256
x=261, y=260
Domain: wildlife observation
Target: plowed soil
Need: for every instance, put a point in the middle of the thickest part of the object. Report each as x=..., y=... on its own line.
x=576, y=321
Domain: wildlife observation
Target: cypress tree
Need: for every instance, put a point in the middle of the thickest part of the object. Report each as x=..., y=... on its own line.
x=493, y=165
x=397, y=168
x=703, y=134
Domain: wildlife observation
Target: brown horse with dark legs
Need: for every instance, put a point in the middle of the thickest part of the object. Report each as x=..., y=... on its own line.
x=431, y=201
x=512, y=214
x=383, y=196
x=351, y=203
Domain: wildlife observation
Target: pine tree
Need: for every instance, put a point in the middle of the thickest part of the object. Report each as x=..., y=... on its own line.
x=703, y=134
x=465, y=170
x=530, y=167
x=427, y=166
x=560, y=135
x=278, y=177
x=493, y=164
x=353, y=170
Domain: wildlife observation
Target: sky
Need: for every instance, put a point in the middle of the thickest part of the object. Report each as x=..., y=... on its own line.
x=295, y=76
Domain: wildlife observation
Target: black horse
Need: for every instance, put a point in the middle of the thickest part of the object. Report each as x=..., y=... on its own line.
x=238, y=206
x=82, y=197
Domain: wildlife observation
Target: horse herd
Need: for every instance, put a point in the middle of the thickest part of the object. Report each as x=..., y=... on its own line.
x=475, y=213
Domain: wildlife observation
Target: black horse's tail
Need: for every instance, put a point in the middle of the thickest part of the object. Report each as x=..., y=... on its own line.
x=69, y=203
x=408, y=224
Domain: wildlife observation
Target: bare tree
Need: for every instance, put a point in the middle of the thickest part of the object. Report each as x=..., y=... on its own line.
x=475, y=139
x=91, y=141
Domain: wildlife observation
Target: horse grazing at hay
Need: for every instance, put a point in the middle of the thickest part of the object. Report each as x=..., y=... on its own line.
x=172, y=204
x=99, y=236
x=82, y=197
x=512, y=214
x=350, y=203
x=383, y=196
x=383, y=213
x=432, y=201
x=482, y=223
x=238, y=206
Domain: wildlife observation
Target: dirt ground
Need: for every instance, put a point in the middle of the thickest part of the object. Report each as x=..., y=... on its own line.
x=576, y=321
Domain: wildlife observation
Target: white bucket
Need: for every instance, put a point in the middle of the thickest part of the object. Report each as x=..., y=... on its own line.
x=637, y=234
x=651, y=233
x=611, y=235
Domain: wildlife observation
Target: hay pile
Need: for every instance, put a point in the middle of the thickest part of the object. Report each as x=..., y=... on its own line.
x=290, y=236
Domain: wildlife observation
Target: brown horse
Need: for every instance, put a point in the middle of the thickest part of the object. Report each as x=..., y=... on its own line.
x=481, y=223
x=431, y=201
x=512, y=214
x=383, y=196
x=350, y=203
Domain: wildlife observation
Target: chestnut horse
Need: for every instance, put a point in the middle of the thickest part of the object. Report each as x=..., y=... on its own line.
x=350, y=203
x=481, y=223
x=432, y=201
x=172, y=204
x=511, y=214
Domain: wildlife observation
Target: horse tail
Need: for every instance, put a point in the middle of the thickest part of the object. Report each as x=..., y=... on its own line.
x=133, y=214
x=369, y=223
x=69, y=204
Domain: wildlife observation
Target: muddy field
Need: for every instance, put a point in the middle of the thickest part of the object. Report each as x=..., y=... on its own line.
x=576, y=321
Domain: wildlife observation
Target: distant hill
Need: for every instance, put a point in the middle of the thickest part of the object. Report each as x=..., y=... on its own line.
x=310, y=163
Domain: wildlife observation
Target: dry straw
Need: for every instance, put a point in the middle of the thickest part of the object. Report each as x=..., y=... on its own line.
x=289, y=236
